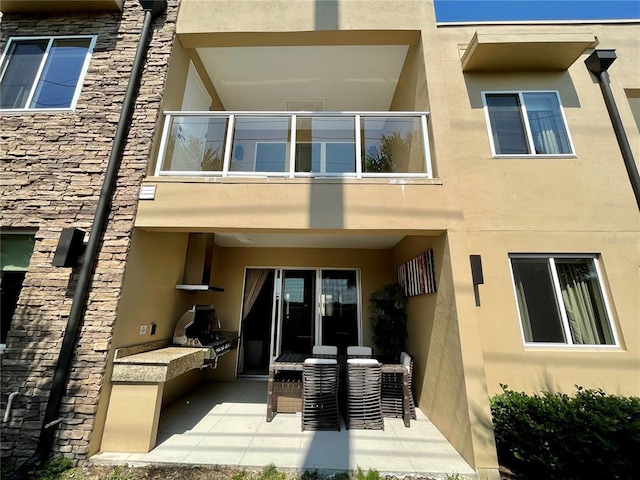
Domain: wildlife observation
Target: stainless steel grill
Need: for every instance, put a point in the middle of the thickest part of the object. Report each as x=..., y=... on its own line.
x=196, y=328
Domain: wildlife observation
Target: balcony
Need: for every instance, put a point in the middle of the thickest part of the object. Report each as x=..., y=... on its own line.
x=326, y=144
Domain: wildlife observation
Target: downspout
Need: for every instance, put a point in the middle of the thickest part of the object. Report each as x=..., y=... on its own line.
x=152, y=9
x=598, y=63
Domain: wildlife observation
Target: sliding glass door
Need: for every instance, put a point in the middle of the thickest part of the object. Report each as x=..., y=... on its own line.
x=297, y=312
x=291, y=310
x=339, y=309
x=316, y=307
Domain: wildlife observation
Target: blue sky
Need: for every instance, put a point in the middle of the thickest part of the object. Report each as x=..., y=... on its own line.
x=499, y=10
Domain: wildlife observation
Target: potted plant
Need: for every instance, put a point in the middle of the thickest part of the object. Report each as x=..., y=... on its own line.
x=389, y=319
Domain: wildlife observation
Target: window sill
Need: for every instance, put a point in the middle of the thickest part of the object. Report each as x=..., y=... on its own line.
x=534, y=157
x=23, y=111
x=554, y=347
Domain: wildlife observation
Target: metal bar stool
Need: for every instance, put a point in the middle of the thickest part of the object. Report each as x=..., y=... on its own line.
x=320, y=394
x=364, y=407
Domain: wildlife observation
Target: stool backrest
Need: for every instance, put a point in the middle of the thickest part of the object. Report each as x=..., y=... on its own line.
x=325, y=350
x=359, y=351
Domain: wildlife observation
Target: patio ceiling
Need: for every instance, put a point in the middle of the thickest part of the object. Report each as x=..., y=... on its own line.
x=307, y=240
x=331, y=78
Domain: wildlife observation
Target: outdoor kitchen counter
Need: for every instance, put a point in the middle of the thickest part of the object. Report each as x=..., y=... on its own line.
x=139, y=380
x=158, y=365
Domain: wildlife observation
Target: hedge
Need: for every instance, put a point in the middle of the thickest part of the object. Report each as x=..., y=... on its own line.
x=554, y=436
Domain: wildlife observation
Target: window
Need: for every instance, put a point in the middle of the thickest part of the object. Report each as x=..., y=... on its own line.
x=526, y=123
x=44, y=72
x=560, y=300
x=15, y=254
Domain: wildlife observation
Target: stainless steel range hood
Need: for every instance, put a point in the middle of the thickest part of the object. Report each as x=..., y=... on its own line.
x=197, y=265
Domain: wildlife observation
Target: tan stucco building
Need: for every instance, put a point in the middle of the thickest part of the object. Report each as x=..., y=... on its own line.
x=319, y=146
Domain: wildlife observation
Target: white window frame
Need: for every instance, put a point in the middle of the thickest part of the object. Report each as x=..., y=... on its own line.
x=559, y=302
x=51, y=39
x=527, y=127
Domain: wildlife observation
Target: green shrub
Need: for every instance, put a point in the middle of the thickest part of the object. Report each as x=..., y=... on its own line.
x=341, y=476
x=370, y=475
x=270, y=472
x=554, y=436
x=52, y=469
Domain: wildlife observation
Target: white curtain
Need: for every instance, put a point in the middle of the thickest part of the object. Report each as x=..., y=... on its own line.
x=547, y=126
x=543, y=127
x=253, y=285
x=582, y=306
x=524, y=309
x=547, y=138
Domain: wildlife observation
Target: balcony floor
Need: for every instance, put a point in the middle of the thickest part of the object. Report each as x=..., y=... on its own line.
x=224, y=424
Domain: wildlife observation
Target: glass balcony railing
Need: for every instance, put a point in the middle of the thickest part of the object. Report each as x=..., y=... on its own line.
x=303, y=144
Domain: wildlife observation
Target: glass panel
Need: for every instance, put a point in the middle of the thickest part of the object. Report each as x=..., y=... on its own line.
x=546, y=122
x=21, y=65
x=392, y=145
x=583, y=302
x=308, y=157
x=298, y=312
x=260, y=144
x=59, y=78
x=507, y=125
x=340, y=157
x=339, y=309
x=195, y=144
x=15, y=252
x=325, y=145
x=539, y=311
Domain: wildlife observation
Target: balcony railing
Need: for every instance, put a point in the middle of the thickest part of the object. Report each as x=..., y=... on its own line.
x=326, y=144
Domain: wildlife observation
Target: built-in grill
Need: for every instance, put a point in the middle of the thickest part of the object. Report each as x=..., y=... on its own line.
x=196, y=329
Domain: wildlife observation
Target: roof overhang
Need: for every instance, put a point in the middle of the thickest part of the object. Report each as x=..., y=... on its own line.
x=494, y=52
x=35, y=6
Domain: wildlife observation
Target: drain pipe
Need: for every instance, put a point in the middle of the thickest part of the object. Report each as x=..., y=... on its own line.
x=7, y=413
x=152, y=9
x=598, y=63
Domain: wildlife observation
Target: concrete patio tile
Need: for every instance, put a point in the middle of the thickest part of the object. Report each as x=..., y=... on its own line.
x=225, y=424
x=219, y=449
x=277, y=448
x=325, y=451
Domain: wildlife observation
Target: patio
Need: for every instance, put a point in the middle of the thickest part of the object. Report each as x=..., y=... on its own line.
x=225, y=424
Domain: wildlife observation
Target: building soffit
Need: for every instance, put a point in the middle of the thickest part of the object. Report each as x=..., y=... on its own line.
x=494, y=52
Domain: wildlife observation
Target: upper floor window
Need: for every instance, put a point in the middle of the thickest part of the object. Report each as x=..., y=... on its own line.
x=561, y=301
x=526, y=123
x=40, y=73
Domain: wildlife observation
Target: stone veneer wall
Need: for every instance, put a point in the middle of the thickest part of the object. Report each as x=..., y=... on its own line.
x=52, y=167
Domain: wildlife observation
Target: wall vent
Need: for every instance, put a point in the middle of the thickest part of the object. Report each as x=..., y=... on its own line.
x=303, y=104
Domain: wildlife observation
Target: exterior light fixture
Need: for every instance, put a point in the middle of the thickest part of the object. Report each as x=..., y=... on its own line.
x=598, y=63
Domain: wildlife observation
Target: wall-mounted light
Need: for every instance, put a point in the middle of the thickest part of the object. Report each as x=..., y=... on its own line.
x=476, y=275
x=70, y=248
x=476, y=269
